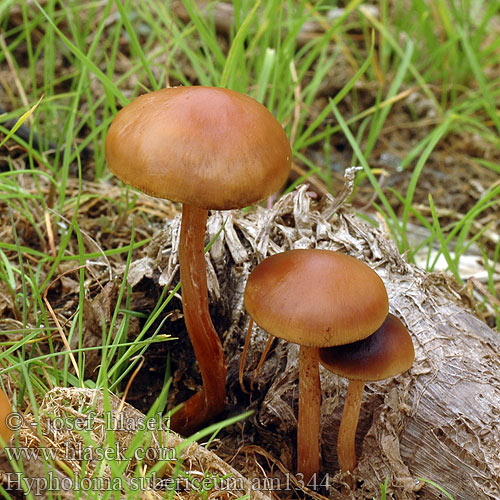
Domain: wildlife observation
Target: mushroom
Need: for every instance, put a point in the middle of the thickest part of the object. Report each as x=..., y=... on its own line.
x=386, y=353
x=314, y=298
x=208, y=148
x=5, y=410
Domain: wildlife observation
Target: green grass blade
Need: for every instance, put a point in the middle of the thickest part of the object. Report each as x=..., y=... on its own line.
x=235, y=52
x=368, y=171
x=136, y=46
x=20, y=121
x=434, y=138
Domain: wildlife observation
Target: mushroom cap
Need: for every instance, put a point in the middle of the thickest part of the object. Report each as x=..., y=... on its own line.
x=316, y=297
x=386, y=353
x=209, y=147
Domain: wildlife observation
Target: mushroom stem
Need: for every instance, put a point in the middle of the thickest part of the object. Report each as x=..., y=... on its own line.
x=206, y=343
x=308, y=428
x=346, y=450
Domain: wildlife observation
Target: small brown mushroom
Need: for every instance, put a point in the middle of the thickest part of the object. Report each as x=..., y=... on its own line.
x=208, y=148
x=386, y=353
x=314, y=298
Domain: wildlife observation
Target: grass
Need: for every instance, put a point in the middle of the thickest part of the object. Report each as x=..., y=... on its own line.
x=71, y=65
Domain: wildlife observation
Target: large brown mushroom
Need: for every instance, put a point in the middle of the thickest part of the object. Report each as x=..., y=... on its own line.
x=384, y=354
x=314, y=298
x=208, y=148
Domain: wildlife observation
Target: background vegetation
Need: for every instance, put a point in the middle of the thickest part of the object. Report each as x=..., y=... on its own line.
x=406, y=89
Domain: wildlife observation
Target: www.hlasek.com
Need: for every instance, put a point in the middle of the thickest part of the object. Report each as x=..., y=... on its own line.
x=54, y=482
x=71, y=451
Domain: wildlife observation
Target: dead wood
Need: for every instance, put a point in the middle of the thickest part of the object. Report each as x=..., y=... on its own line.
x=64, y=410
x=439, y=421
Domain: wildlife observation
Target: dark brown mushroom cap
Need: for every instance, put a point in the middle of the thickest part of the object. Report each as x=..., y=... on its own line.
x=209, y=147
x=386, y=353
x=316, y=297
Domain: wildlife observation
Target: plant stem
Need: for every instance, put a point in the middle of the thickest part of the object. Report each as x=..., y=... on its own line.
x=308, y=428
x=347, y=433
x=206, y=343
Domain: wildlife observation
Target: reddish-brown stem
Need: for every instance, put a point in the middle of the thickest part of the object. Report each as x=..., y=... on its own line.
x=308, y=428
x=206, y=343
x=347, y=433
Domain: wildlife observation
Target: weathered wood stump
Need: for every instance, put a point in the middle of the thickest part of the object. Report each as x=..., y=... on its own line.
x=439, y=421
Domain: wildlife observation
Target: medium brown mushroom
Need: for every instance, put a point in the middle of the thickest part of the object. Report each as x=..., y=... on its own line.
x=208, y=148
x=386, y=353
x=314, y=298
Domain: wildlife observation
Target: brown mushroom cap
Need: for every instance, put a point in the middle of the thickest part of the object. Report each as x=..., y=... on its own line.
x=386, y=353
x=209, y=147
x=316, y=297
